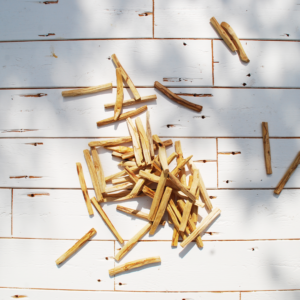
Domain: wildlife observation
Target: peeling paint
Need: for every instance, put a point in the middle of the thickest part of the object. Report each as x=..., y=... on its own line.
x=34, y=95
x=36, y=195
x=230, y=153
x=49, y=34
x=25, y=176
x=34, y=144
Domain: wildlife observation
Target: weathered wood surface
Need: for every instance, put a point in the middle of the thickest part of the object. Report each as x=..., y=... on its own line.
x=5, y=212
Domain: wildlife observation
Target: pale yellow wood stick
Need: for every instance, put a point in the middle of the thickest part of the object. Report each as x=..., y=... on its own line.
x=131, y=174
x=120, y=149
x=181, y=187
x=182, y=173
x=149, y=133
x=106, y=220
x=111, y=142
x=203, y=225
x=267, y=150
x=76, y=246
x=89, y=90
x=121, y=180
x=175, y=237
x=132, y=101
x=84, y=189
x=144, y=140
x=155, y=179
x=174, y=220
x=181, y=165
x=162, y=154
x=123, y=198
x=120, y=94
x=119, y=187
x=126, y=77
x=134, y=264
x=98, y=169
x=116, y=154
x=194, y=211
x=121, y=173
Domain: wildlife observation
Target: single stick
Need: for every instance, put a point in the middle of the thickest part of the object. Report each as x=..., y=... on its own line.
x=98, y=169
x=174, y=220
x=287, y=175
x=122, y=116
x=120, y=94
x=190, y=181
x=89, y=90
x=144, y=140
x=181, y=187
x=176, y=98
x=131, y=174
x=236, y=42
x=134, y=264
x=267, y=151
x=128, y=196
x=223, y=34
x=119, y=187
x=138, y=187
x=132, y=101
x=121, y=173
x=182, y=174
x=149, y=133
x=121, y=180
x=84, y=189
x=120, y=149
x=76, y=246
x=175, y=237
x=162, y=154
x=181, y=165
x=203, y=225
x=132, y=242
x=154, y=178
x=111, y=142
x=194, y=211
x=126, y=77
x=148, y=192
x=116, y=154
x=106, y=220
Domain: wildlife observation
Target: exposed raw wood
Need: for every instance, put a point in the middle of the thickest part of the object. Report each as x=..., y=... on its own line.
x=126, y=77
x=116, y=154
x=120, y=94
x=190, y=181
x=203, y=225
x=111, y=142
x=236, y=41
x=267, y=150
x=287, y=175
x=194, y=213
x=89, y=90
x=144, y=140
x=162, y=154
x=131, y=174
x=123, y=116
x=181, y=165
x=121, y=173
x=154, y=178
x=138, y=187
x=182, y=174
x=129, y=164
x=203, y=193
x=132, y=242
x=107, y=220
x=119, y=187
x=175, y=237
x=174, y=220
x=84, y=189
x=223, y=34
x=176, y=98
x=149, y=133
x=134, y=264
x=127, y=196
x=147, y=191
x=181, y=187
x=98, y=169
x=120, y=149
x=76, y=246
x=121, y=180
x=132, y=101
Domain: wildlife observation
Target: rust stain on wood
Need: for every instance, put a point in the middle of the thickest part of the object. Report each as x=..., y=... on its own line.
x=38, y=194
x=194, y=95
x=34, y=95
x=51, y=2
x=18, y=296
x=34, y=144
x=230, y=153
x=49, y=34
x=25, y=176
x=145, y=14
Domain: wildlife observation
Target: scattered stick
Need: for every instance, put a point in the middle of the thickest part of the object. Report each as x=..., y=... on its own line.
x=111, y=142
x=267, y=151
x=182, y=174
x=98, y=169
x=120, y=94
x=181, y=187
x=149, y=133
x=131, y=174
x=175, y=237
x=120, y=149
x=175, y=221
x=162, y=154
x=76, y=246
x=116, y=154
x=144, y=140
x=121, y=180
x=154, y=178
x=132, y=101
x=119, y=174
x=119, y=187
x=181, y=165
x=134, y=264
x=85, y=91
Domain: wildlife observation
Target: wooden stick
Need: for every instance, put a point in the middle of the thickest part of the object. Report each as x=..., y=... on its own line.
x=190, y=181
x=194, y=211
x=175, y=237
x=76, y=246
x=223, y=34
x=149, y=133
x=175, y=221
x=98, y=169
x=144, y=140
x=132, y=242
x=236, y=41
x=148, y=192
x=89, y=90
x=123, y=116
x=134, y=264
x=121, y=173
x=121, y=180
x=120, y=149
x=267, y=151
x=138, y=187
x=162, y=154
x=120, y=94
x=117, y=154
x=203, y=225
x=182, y=174
x=181, y=187
x=287, y=175
x=126, y=77
x=176, y=98
x=203, y=193
x=181, y=165
x=106, y=220
x=132, y=101
x=84, y=189
x=154, y=178
x=119, y=187
x=111, y=142
x=131, y=174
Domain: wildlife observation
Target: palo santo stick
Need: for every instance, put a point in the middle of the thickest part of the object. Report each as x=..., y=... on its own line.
x=132, y=242
x=84, y=189
x=144, y=140
x=121, y=180
x=148, y=192
x=106, y=220
x=89, y=90
x=162, y=154
x=287, y=175
x=203, y=225
x=161, y=210
x=111, y=142
x=181, y=165
x=175, y=237
x=132, y=101
x=176, y=98
x=119, y=174
x=126, y=197
x=122, y=116
x=267, y=151
x=127, y=79
x=138, y=187
x=98, y=169
x=131, y=174
x=136, y=213
x=236, y=41
x=158, y=194
x=182, y=174
x=119, y=187
x=181, y=187
x=128, y=164
x=76, y=246
x=223, y=34
x=134, y=264
x=203, y=193
x=120, y=94
x=120, y=149
x=117, y=154
x=135, y=141
x=175, y=221
x=190, y=181
x=194, y=211
x=154, y=178
x=149, y=133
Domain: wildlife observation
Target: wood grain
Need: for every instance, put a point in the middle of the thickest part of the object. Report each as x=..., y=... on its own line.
x=86, y=91
x=120, y=95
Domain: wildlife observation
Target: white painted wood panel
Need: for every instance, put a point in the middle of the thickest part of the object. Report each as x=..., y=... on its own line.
x=249, y=19
x=5, y=212
x=246, y=215
x=228, y=113
x=220, y=266
x=95, y=295
x=272, y=64
x=75, y=19
x=247, y=170
x=52, y=162
x=276, y=295
x=31, y=264
x=88, y=63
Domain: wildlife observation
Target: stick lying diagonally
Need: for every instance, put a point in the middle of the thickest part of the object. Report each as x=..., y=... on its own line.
x=89, y=90
x=132, y=101
x=111, y=142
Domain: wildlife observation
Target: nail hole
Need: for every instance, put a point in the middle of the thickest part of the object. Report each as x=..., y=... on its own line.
x=106, y=258
x=120, y=283
x=99, y=280
x=108, y=58
x=184, y=44
x=244, y=84
x=203, y=117
x=227, y=181
x=249, y=75
x=204, y=161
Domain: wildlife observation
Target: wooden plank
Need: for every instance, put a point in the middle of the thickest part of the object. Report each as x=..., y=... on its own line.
x=247, y=170
x=229, y=71
x=75, y=20
x=216, y=258
x=275, y=295
x=250, y=20
x=75, y=64
x=37, y=269
x=5, y=212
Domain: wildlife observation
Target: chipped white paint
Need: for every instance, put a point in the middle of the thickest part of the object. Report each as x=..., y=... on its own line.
x=5, y=212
